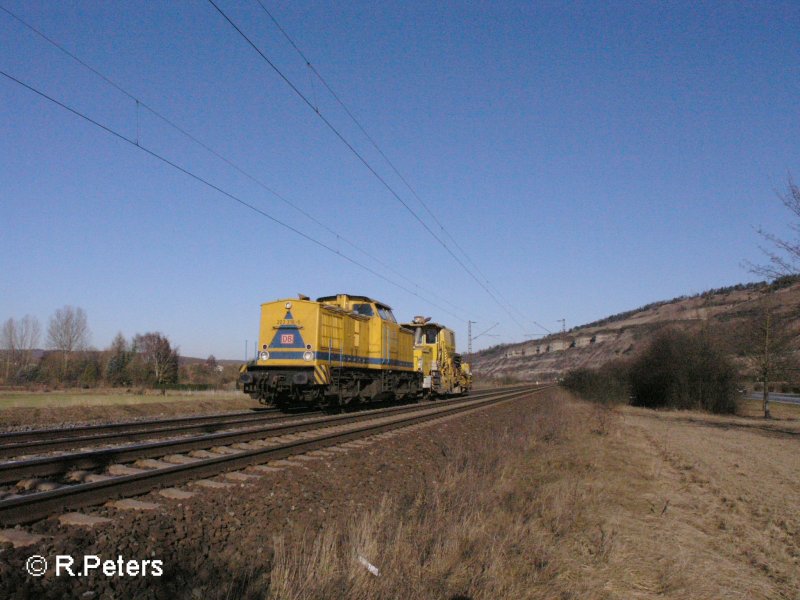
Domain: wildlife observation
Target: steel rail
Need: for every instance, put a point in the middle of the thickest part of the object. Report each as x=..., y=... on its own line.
x=18, y=443
x=46, y=466
x=29, y=508
x=208, y=425
x=20, y=437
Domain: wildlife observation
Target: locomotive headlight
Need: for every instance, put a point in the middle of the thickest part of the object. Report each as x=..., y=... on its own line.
x=308, y=355
x=288, y=305
x=264, y=355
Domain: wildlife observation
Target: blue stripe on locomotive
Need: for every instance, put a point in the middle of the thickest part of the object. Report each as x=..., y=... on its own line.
x=334, y=357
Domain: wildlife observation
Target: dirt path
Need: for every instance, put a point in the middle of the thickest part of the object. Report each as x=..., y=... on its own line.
x=723, y=495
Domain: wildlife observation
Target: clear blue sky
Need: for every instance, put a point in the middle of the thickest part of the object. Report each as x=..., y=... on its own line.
x=588, y=157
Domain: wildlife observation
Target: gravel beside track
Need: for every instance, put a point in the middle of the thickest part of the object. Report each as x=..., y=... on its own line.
x=229, y=454
x=20, y=443
x=34, y=441
x=218, y=543
x=275, y=424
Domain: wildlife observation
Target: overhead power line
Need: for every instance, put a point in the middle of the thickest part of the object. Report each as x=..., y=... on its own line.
x=361, y=158
x=391, y=164
x=217, y=188
x=140, y=103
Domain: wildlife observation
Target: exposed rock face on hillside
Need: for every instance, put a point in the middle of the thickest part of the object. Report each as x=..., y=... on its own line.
x=728, y=312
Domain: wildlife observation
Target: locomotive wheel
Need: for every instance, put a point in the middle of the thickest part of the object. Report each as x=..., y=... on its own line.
x=331, y=404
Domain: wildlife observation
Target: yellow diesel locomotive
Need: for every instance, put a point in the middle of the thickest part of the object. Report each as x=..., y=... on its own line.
x=332, y=352
x=444, y=372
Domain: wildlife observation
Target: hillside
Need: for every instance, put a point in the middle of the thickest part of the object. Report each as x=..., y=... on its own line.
x=728, y=311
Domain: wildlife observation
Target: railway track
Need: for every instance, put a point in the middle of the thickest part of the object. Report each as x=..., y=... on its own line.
x=36, y=441
x=60, y=464
x=20, y=443
x=202, y=456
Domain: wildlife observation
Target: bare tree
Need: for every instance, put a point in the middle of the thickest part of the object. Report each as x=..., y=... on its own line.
x=783, y=255
x=18, y=339
x=68, y=331
x=29, y=332
x=772, y=337
x=8, y=342
x=158, y=354
x=770, y=345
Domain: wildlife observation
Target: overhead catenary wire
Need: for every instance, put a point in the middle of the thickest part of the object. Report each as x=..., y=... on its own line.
x=388, y=161
x=363, y=130
x=361, y=158
x=222, y=191
x=141, y=104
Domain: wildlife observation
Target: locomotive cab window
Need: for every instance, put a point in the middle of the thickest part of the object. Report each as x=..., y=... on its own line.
x=386, y=314
x=364, y=309
x=430, y=334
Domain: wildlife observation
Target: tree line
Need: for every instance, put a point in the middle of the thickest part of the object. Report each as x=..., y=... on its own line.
x=68, y=360
x=705, y=369
x=705, y=366
x=677, y=369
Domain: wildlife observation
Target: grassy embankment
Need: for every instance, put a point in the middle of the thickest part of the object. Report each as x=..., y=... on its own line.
x=780, y=411
x=35, y=409
x=575, y=501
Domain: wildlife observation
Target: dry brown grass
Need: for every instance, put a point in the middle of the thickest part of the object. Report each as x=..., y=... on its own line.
x=778, y=410
x=41, y=409
x=573, y=501
x=733, y=483
x=477, y=529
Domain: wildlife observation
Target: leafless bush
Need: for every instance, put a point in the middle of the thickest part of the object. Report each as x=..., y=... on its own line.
x=681, y=370
x=608, y=384
x=603, y=417
x=552, y=419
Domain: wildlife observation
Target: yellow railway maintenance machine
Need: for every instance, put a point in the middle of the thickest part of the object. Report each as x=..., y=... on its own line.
x=334, y=351
x=435, y=357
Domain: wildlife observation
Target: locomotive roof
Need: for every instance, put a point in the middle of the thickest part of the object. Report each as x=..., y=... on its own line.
x=352, y=297
x=428, y=324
